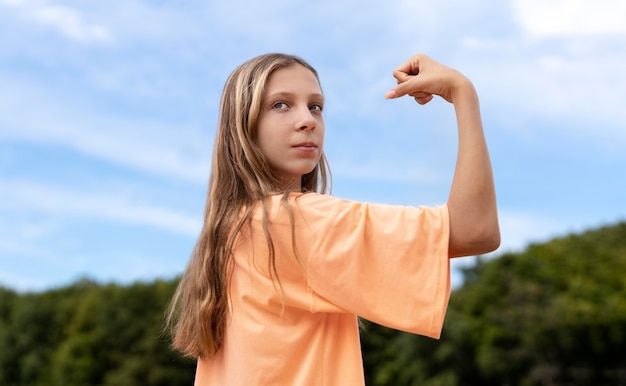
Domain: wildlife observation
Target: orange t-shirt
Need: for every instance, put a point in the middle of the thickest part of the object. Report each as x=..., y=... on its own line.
x=388, y=264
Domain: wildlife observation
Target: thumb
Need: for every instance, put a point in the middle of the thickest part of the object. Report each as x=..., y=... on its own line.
x=398, y=91
x=392, y=94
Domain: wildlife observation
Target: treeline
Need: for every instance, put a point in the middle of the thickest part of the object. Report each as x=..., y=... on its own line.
x=554, y=314
x=89, y=334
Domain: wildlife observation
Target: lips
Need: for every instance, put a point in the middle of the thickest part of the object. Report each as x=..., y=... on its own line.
x=306, y=145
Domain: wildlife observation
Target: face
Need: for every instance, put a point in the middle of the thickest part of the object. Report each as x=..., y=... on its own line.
x=290, y=130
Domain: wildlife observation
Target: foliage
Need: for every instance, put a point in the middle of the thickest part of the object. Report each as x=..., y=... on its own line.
x=89, y=334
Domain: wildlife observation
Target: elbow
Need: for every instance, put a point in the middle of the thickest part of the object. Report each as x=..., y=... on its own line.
x=475, y=241
x=491, y=241
x=489, y=236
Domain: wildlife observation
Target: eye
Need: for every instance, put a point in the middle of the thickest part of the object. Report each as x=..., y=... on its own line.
x=279, y=105
x=316, y=107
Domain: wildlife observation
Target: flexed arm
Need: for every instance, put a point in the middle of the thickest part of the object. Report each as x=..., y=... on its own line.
x=474, y=225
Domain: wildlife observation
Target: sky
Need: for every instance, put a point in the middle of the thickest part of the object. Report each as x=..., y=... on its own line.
x=108, y=112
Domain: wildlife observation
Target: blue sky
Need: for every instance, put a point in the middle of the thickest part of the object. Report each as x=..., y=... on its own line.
x=108, y=110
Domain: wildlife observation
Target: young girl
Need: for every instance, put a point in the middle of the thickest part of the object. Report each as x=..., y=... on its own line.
x=281, y=270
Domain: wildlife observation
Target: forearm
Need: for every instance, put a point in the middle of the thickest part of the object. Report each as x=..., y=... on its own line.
x=472, y=201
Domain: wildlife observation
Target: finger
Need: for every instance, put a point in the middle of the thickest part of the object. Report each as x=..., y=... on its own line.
x=412, y=66
x=404, y=88
x=424, y=100
x=392, y=94
x=395, y=92
x=401, y=76
x=408, y=87
x=420, y=94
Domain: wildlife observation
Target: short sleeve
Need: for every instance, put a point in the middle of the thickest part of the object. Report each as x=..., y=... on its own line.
x=388, y=264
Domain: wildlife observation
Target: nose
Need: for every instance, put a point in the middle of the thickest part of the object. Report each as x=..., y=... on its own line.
x=306, y=120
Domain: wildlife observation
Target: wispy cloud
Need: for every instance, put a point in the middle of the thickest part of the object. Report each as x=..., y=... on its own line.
x=22, y=237
x=69, y=22
x=576, y=84
x=557, y=18
x=32, y=113
x=65, y=203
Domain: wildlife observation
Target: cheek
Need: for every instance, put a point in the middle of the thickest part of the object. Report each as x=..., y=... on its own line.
x=268, y=143
x=264, y=136
x=321, y=132
x=265, y=145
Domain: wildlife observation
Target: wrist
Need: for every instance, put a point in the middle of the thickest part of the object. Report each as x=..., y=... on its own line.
x=462, y=89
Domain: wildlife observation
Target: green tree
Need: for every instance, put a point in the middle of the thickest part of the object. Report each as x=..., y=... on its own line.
x=8, y=368
x=115, y=339
x=88, y=334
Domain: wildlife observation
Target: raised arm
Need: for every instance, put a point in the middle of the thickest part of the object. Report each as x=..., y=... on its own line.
x=472, y=201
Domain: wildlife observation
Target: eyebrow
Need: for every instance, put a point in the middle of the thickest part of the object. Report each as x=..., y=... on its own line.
x=289, y=94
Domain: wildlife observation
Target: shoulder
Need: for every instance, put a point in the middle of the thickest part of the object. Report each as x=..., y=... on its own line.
x=315, y=202
x=316, y=208
x=308, y=207
x=324, y=205
x=311, y=210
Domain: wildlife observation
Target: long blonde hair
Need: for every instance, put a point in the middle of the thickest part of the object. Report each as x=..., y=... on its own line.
x=240, y=177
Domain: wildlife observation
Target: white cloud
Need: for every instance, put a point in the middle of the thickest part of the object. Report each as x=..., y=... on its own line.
x=21, y=239
x=577, y=87
x=12, y=2
x=42, y=242
x=69, y=22
x=554, y=18
x=32, y=113
x=63, y=203
x=382, y=171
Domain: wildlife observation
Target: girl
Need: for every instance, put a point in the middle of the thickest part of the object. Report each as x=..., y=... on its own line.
x=281, y=270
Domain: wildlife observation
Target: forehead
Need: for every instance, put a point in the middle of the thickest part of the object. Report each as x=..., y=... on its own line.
x=294, y=78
